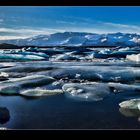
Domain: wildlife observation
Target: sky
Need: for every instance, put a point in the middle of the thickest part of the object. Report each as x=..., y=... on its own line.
x=27, y=21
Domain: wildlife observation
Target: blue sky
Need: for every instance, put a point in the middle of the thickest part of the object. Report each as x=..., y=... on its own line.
x=26, y=21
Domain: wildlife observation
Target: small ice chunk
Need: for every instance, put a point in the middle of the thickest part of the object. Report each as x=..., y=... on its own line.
x=74, y=91
x=69, y=89
x=4, y=74
x=80, y=90
x=56, y=83
x=86, y=97
x=77, y=75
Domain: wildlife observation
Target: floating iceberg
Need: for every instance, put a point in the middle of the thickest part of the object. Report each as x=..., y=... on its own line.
x=133, y=57
x=66, y=57
x=25, y=52
x=10, y=89
x=94, y=92
x=14, y=86
x=124, y=87
x=130, y=108
x=3, y=76
x=20, y=56
x=131, y=104
x=35, y=53
x=40, y=92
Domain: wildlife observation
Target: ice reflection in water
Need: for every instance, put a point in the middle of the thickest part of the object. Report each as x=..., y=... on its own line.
x=130, y=112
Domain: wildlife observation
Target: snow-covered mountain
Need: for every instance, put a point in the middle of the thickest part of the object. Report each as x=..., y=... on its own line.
x=79, y=39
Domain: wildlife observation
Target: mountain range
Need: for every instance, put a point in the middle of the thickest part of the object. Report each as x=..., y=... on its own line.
x=78, y=39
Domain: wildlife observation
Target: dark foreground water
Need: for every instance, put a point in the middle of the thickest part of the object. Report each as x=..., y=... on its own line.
x=59, y=112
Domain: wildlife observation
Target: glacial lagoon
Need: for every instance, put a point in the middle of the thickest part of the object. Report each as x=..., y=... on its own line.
x=86, y=89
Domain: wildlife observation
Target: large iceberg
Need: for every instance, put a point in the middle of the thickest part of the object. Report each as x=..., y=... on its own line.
x=93, y=92
x=133, y=57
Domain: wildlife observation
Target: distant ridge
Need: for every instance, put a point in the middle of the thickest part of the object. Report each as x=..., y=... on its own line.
x=78, y=39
